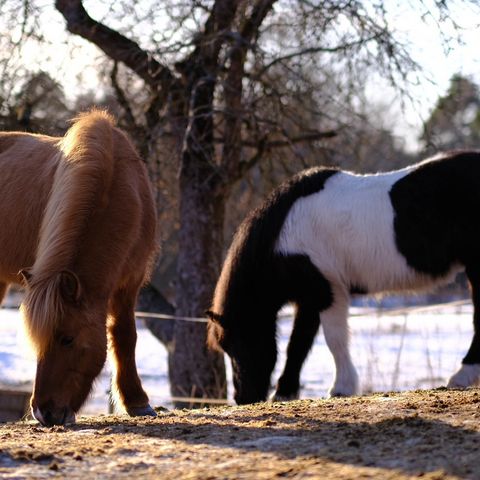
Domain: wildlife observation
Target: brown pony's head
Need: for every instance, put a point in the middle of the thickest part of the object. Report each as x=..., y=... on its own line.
x=70, y=339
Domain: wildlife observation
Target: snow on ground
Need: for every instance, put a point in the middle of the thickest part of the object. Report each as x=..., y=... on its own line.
x=420, y=349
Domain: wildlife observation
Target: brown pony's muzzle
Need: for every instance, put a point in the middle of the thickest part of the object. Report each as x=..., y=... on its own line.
x=49, y=415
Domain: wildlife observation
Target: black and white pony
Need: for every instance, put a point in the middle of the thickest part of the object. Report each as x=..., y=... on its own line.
x=326, y=234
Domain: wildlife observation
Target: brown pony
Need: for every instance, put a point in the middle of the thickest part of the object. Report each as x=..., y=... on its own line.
x=78, y=230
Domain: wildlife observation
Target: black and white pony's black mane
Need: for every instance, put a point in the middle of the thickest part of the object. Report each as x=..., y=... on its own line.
x=327, y=233
x=253, y=263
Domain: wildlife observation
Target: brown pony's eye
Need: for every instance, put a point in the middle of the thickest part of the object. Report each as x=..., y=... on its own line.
x=66, y=341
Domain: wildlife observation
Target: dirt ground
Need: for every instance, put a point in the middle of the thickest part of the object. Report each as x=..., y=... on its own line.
x=430, y=434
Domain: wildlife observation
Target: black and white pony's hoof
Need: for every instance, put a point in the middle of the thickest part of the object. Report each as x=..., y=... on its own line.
x=147, y=411
x=467, y=376
x=346, y=384
x=341, y=393
x=345, y=391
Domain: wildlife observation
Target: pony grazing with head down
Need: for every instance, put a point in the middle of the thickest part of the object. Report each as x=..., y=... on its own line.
x=327, y=234
x=79, y=231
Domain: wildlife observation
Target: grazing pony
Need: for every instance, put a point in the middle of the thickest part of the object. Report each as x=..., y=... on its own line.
x=326, y=234
x=78, y=230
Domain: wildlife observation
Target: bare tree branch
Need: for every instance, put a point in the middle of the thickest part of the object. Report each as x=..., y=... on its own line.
x=245, y=166
x=210, y=41
x=200, y=72
x=307, y=137
x=120, y=95
x=115, y=45
x=319, y=49
x=263, y=145
x=234, y=87
x=251, y=26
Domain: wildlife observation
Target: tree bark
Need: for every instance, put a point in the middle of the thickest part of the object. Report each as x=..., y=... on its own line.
x=197, y=371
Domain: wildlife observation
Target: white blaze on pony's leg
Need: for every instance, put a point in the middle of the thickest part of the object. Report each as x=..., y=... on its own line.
x=467, y=376
x=335, y=328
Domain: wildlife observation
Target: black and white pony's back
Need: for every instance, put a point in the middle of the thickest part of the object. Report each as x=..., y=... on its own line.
x=326, y=234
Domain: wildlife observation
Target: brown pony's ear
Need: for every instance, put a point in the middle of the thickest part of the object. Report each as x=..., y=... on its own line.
x=70, y=286
x=214, y=317
x=26, y=276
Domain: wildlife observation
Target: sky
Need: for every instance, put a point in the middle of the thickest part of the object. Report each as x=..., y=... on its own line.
x=438, y=62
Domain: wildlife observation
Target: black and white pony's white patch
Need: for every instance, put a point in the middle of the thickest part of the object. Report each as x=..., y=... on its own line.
x=326, y=234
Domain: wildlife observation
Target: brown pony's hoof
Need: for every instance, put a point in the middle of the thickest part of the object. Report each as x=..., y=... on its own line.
x=147, y=411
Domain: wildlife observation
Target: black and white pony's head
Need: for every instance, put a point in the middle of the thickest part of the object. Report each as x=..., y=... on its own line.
x=252, y=361
x=237, y=326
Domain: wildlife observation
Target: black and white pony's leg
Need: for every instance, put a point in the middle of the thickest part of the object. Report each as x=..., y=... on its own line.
x=469, y=373
x=305, y=328
x=335, y=329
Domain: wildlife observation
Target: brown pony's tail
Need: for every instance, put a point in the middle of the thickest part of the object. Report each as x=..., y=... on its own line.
x=80, y=185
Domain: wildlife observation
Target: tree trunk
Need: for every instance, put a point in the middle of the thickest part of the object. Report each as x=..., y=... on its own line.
x=196, y=371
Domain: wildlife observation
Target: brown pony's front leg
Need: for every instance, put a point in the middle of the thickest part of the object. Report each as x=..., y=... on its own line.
x=123, y=339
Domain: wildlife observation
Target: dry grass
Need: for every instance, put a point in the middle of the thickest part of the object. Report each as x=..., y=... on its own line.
x=433, y=434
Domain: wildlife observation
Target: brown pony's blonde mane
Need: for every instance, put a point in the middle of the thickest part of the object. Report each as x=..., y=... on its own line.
x=81, y=183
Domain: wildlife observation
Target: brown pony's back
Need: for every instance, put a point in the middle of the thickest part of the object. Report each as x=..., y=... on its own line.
x=81, y=203
x=27, y=165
